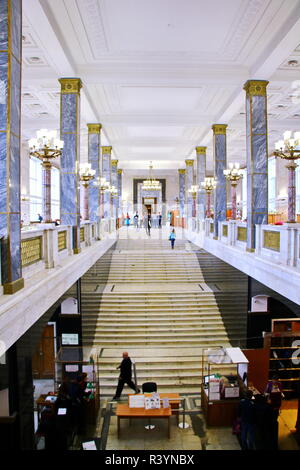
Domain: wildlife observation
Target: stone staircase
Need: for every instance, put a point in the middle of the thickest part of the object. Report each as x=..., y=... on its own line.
x=164, y=307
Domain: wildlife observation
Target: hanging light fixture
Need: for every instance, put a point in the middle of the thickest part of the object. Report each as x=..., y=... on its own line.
x=46, y=146
x=151, y=184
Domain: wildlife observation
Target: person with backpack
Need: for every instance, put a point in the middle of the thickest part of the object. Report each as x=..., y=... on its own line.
x=172, y=238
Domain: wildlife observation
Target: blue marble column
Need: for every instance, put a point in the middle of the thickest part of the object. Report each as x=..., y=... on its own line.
x=120, y=209
x=189, y=181
x=106, y=173
x=200, y=177
x=220, y=163
x=94, y=157
x=69, y=166
x=10, y=117
x=114, y=182
x=181, y=195
x=257, y=157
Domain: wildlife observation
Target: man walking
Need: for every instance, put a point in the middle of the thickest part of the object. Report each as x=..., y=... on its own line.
x=125, y=376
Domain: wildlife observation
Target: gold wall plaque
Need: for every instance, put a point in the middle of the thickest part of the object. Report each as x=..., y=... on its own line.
x=212, y=227
x=272, y=240
x=242, y=234
x=181, y=172
x=201, y=150
x=106, y=150
x=189, y=162
x=219, y=128
x=62, y=240
x=93, y=231
x=82, y=236
x=70, y=85
x=31, y=251
x=256, y=87
x=94, y=128
x=225, y=230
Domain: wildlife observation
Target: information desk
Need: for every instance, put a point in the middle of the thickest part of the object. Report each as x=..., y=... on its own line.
x=174, y=401
x=219, y=412
x=124, y=412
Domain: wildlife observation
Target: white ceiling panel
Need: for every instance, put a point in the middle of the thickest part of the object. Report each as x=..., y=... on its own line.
x=156, y=132
x=169, y=25
x=153, y=99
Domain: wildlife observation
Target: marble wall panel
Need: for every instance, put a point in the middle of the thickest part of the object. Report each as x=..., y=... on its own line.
x=259, y=152
x=16, y=25
x=69, y=112
x=3, y=176
x=15, y=96
x=14, y=187
x=94, y=160
x=68, y=202
x=3, y=25
x=68, y=158
x=259, y=122
x=15, y=246
x=3, y=89
x=220, y=195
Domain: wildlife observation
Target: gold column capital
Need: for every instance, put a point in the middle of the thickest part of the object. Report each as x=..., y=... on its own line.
x=114, y=162
x=189, y=162
x=106, y=149
x=219, y=128
x=70, y=85
x=201, y=150
x=256, y=87
x=181, y=172
x=120, y=171
x=94, y=128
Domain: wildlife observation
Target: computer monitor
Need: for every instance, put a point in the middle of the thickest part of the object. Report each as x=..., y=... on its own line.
x=208, y=377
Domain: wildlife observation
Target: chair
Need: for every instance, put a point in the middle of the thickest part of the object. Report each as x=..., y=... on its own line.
x=149, y=387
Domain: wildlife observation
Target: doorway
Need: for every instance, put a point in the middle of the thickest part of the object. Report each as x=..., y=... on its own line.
x=43, y=361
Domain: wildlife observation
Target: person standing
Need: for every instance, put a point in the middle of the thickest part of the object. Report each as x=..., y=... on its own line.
x=127, y=220
x=136, y=220
x=159, y=220
x=40, y=218
x=125, y=376
x=246, y=415
x=172, y=238
x=149, y=223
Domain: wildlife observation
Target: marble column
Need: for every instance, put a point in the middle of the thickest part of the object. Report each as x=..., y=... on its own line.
x=181, y=195
x=200, y=177
x=189, y=181
x=69, y=170
x=47, y=192
x=257, y=157
x=120, y=209
x=291, y=166
x=106, y=173
x=114, y=182
x=94, y=157
x=10, y=145
x=220, y=157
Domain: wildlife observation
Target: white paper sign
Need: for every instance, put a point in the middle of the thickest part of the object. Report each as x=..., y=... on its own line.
x=214, y=396
x=136, y=401
x=152, y=403
x=166, y=403
x=232, y=392
x=89, y=445
x=62, y=411
x=71, y=368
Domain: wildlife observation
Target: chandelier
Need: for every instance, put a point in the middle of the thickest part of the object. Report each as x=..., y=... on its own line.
x=102, y=184
x=289, y=149
x=46, y=145
x=234, y=173
x=151, y=184
x=86, y=173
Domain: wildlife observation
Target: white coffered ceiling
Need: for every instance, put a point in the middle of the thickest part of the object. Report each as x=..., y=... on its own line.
x=157, y=74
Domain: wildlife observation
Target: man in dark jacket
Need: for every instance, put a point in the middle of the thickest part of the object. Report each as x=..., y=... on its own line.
x=125, y=376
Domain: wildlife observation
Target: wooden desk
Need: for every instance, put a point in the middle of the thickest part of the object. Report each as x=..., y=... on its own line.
x=219, y=412
x=174, y=401
x=124, y=412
